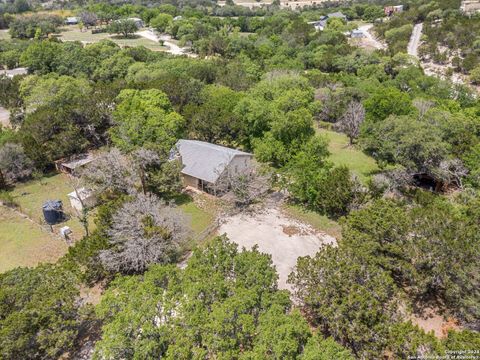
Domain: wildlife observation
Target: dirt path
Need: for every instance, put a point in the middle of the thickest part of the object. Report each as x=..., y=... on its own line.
x=173, y=48
x=414, y=42
x=275, y=234
x=372, y=40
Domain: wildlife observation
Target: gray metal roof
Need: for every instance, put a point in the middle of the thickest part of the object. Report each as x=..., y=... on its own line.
x=205, y=161
x=78, y=161
x=337, y=15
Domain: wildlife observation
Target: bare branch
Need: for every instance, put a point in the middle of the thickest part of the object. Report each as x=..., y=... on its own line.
x=352, y=120
x=144, y=231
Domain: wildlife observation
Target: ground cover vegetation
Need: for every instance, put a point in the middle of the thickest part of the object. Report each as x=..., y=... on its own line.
x=402, y=181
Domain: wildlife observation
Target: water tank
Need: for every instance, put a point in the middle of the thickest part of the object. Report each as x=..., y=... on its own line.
x=52, y=211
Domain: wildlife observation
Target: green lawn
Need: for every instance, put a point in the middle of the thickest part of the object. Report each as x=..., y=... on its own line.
x=314, y=219
x=358, y=162
x=73, y=33
x=201, y=217
x=23, y=243
x=31, y=195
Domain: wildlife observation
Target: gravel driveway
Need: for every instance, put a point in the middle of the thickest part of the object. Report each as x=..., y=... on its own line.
x=276, y=234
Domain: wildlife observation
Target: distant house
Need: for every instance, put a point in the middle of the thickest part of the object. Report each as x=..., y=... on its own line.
x=338, y=15
x=82, y=198
x=204, y=164
x=137, y=21
x=73, y=164
x=390, y=10
x=470, y=6
x=12, y=72
x=356, y=34
x=71, y=20
x=321, y=24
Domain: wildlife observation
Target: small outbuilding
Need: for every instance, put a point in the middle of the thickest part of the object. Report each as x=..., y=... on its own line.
x=10, y=73
x=82, y=198
x=204, y=164
x=71, y=20
x=356, y=34
x=73, y=164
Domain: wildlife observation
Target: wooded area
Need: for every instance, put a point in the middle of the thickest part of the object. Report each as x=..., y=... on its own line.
x=356, y=139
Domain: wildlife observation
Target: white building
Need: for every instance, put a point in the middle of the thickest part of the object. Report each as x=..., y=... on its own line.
x=82, y=196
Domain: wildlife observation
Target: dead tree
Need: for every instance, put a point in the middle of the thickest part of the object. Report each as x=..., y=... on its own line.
x=82, y=215
x=351, y=120
x=246, y=185
x=423, y=106
x=110, y=172
x=144, y=231
x=450, y=172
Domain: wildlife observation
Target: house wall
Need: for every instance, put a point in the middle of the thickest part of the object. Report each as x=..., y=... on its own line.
x=89, y=202
x=190, y=181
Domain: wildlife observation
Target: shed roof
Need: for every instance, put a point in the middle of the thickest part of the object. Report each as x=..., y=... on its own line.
x=337, y=14
x=83, y=193
x=78, y=161
x=13, y=72
x=204, y=160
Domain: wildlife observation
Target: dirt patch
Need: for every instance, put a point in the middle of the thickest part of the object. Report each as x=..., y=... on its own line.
x=290, y=230
x=431, y=320
x=92, y=295
x=276, y=234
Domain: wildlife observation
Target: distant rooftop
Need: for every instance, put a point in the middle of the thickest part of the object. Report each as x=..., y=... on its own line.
x=204, y=160
x=13, y=72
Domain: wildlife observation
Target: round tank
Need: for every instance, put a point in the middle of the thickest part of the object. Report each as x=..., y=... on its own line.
x=52, y=211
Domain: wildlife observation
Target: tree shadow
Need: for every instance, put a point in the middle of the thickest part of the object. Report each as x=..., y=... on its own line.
x=181, y=199
x=129, y=37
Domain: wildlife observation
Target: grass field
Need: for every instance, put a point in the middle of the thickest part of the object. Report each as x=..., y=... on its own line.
x=358, y=162
x=73, y=33
x=23, y=243
x=31, y=195
x=200, y=209
x=314, y=219
x=199, y=218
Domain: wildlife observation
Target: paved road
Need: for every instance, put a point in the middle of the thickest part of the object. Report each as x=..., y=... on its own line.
x=414, y=42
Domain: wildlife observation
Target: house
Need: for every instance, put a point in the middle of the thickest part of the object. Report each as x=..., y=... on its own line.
x=82, y=198
x=321, y=24
x=73, y=164
x=470, y=6
x=390, y=10
x=137, y=21
x=10, y=73
x=338, y=15
x=205, y=164
x=356, y=34
x=71, y=20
